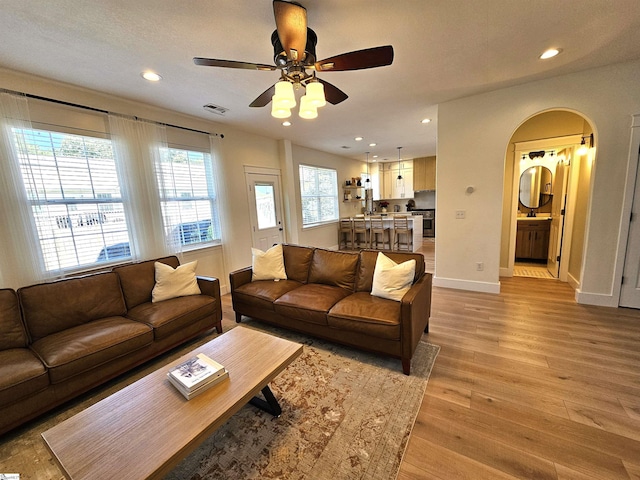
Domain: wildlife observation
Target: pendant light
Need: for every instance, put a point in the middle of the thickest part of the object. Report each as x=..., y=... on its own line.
x=367, y=181
x=399, y=179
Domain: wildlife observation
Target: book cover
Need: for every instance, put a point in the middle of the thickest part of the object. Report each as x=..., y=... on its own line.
x=195, y=371
x=189, y=394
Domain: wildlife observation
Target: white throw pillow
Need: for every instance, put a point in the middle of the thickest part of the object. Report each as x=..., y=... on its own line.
x=392, y=280
x=171, y=283
x=268, y=265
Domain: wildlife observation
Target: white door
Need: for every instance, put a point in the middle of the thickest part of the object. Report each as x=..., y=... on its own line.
x=557, y=218
x=630, y=290
x=265, y=209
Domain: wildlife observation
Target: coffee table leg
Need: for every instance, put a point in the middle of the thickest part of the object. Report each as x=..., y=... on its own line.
x=271, y=404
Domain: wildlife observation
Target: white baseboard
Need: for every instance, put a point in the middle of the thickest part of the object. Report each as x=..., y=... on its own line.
x=573, y=282
x=598, y=299
x=471, y=285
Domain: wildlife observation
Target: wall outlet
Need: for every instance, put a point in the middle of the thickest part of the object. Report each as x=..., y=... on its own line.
x=479, y=266
x=461, y=214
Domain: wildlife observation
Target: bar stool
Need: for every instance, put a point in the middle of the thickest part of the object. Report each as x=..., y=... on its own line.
x=401, y=226
x=345, y=233
x=378, y=228
x=361, y=233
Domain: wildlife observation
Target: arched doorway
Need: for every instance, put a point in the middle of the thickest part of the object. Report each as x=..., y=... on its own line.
x=546, y=194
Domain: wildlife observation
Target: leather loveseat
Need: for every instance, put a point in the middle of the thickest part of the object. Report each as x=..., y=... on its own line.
x=60, y=339
x=328, y=294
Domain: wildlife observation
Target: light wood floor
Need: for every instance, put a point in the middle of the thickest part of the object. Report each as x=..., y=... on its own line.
x=528, y=384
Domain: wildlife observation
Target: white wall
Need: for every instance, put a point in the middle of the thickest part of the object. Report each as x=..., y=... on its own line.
x=473, y=136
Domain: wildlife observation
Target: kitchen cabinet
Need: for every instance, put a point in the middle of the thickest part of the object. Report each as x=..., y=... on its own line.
x=390, y=188
x=532, y=239
x=424, y=173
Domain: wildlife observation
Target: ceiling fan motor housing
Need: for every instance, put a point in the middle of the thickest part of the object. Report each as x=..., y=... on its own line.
x=280, y=56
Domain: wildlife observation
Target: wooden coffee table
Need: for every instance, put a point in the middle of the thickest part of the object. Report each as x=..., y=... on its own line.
x=145, y=429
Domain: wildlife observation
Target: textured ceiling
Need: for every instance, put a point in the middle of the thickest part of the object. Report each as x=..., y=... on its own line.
x=443, y=50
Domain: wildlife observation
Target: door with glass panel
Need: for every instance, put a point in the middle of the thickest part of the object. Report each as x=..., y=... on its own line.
x=265, y=206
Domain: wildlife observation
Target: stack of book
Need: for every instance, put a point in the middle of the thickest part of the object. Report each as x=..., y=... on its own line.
x=196, y=375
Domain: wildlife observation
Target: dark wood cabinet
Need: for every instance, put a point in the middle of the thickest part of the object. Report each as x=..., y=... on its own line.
x=532, y=239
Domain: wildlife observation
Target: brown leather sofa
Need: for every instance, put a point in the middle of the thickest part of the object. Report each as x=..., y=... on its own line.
x=328, y=294
x=60, y=339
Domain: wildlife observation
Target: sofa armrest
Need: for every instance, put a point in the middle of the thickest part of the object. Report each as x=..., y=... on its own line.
x=240, y=277
x=416, y=310
x=211, y=286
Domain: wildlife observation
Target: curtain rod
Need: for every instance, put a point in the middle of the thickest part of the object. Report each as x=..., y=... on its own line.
x=93, y=109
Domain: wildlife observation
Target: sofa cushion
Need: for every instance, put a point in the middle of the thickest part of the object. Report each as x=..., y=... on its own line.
x=175, y=314
x=367, y=266
x=12, y=333
x=21, y=374
x=365, y=314
x=334, y=268
x=263, y=293
x=49, y=308
x=174, y=282
x=138, y=279
x=81, y=348
x=297, y=261
x=309, y=303
x=267, y=265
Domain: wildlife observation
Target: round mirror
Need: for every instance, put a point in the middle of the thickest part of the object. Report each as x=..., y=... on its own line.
x=535, y=187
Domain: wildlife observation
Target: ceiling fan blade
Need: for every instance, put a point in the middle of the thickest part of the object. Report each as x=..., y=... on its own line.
x=264, y=98
x=358, y=60
x=332, y=93
x=291, y=23
x=212, y=62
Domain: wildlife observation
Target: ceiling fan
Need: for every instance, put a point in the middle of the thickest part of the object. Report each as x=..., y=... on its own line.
x=294, y=49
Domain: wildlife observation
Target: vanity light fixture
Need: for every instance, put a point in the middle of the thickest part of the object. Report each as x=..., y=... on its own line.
x=583, y=146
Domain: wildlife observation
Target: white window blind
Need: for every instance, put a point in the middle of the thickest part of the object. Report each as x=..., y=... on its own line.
x=189, y=201
x=75, y=197
x=319, y=194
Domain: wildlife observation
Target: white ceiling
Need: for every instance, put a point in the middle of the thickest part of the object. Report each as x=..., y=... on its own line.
x=443, y=50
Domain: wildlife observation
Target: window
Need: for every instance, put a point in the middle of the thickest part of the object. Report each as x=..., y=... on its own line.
x=189, y=202
x=319, y=192
x=75, y=197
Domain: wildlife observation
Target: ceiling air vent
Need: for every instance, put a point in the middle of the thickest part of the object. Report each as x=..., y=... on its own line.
x=217, y=109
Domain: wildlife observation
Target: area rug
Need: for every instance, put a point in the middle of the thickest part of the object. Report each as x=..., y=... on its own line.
x=346, y=414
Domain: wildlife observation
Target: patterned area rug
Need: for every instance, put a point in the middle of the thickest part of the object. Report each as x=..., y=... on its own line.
x=346, y=414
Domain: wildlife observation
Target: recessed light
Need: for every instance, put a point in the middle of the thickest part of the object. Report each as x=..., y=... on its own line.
x=151, y=76
x=372, y=144
x=425, y=120
x=552, y=52
x=286, y=124
x=375, y=156
x=358, y=139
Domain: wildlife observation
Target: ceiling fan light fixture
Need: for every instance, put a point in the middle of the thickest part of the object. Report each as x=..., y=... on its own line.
x=315, y=94
x=307, y=110
x=279, y=112
x=284, y=96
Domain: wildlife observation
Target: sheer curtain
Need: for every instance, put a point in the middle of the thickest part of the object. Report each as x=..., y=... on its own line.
x=21, y=261
x=215, y=142
x=138, y=148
